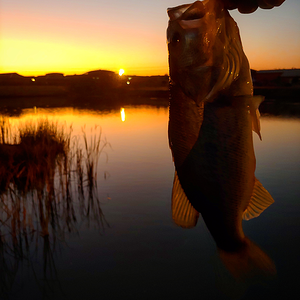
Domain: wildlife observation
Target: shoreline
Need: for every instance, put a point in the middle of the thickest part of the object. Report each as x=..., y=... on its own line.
x=11, y=91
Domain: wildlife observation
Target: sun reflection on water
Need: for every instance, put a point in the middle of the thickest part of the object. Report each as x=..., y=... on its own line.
x=122, y=112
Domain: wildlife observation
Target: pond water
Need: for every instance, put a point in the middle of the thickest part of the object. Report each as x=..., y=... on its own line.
x=129, y=247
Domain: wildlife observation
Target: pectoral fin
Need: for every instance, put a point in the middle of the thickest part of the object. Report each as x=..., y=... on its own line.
x=260, y=200
x=183, y=213
x=256, y=101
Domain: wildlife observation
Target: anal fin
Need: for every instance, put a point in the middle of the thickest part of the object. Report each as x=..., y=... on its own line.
x=260, y=200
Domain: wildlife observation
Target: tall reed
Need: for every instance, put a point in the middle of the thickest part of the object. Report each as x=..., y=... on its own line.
x=48, y=182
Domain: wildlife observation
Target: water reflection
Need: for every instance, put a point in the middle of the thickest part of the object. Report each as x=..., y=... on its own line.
x=48, y=187
x=122, y=112
x=143, y=253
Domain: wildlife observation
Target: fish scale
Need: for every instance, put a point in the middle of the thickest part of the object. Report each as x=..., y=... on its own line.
x=221, y=167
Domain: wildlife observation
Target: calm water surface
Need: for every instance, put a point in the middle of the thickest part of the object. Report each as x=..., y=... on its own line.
x=139, y=253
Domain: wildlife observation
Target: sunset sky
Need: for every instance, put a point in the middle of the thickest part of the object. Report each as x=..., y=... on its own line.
x=73, y=37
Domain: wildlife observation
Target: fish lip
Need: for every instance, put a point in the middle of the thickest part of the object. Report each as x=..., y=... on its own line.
x=176, y=12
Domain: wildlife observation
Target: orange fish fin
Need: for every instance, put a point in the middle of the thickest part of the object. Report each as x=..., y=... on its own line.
x=256, y=101
x=248, y=264
x=183, y=213
x=260, y=200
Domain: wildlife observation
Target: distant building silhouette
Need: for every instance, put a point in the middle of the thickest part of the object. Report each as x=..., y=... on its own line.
x=14, y=79
x=146, y=82
x=284, y=77
x=104, y=78
x=104, y=82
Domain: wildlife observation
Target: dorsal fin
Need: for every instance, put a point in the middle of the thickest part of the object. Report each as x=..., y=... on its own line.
x=183, y=213
x=256, y=101
x=260, y=200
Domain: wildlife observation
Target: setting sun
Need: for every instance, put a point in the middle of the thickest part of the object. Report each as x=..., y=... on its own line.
x=49, y=38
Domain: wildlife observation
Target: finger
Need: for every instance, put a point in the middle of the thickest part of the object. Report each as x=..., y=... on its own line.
x=275, y=2
x=247, y=7
x=264, y=4
x=230, y=4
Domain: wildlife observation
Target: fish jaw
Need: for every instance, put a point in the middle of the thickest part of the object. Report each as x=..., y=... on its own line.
x=206, y=56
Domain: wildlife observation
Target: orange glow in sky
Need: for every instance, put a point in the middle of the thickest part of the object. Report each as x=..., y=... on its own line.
x=38, y=37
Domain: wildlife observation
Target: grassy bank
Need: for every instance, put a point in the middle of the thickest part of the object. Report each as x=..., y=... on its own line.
x=31, y=91
x=48, y=178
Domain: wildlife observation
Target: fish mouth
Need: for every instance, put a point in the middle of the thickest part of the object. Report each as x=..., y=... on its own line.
x=186, y=35
x=187, y=12
x=175, y=12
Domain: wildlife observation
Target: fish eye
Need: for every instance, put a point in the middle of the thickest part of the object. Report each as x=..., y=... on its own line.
x=175, y=38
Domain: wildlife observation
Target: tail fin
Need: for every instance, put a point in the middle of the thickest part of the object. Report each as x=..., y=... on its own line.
x=249, y=264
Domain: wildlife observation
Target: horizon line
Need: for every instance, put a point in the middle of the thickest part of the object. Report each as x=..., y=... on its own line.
x=125, y=74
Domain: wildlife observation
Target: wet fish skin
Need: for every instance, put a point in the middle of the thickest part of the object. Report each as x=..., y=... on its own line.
x=218, y=173
x=212, y=115
x=185, y=120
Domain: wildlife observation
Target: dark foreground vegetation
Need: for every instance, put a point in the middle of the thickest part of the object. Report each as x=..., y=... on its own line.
x=48, y=187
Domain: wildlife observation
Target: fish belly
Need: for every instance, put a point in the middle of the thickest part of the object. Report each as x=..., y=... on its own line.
x=185, y=120
x=218, y=173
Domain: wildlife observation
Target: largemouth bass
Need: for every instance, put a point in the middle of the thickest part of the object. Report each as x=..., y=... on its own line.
x=212, y=115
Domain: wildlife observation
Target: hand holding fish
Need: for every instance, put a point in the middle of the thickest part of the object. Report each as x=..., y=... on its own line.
x=249, y=6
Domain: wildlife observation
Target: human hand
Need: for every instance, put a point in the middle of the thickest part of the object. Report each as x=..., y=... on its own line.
x=249, y=6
